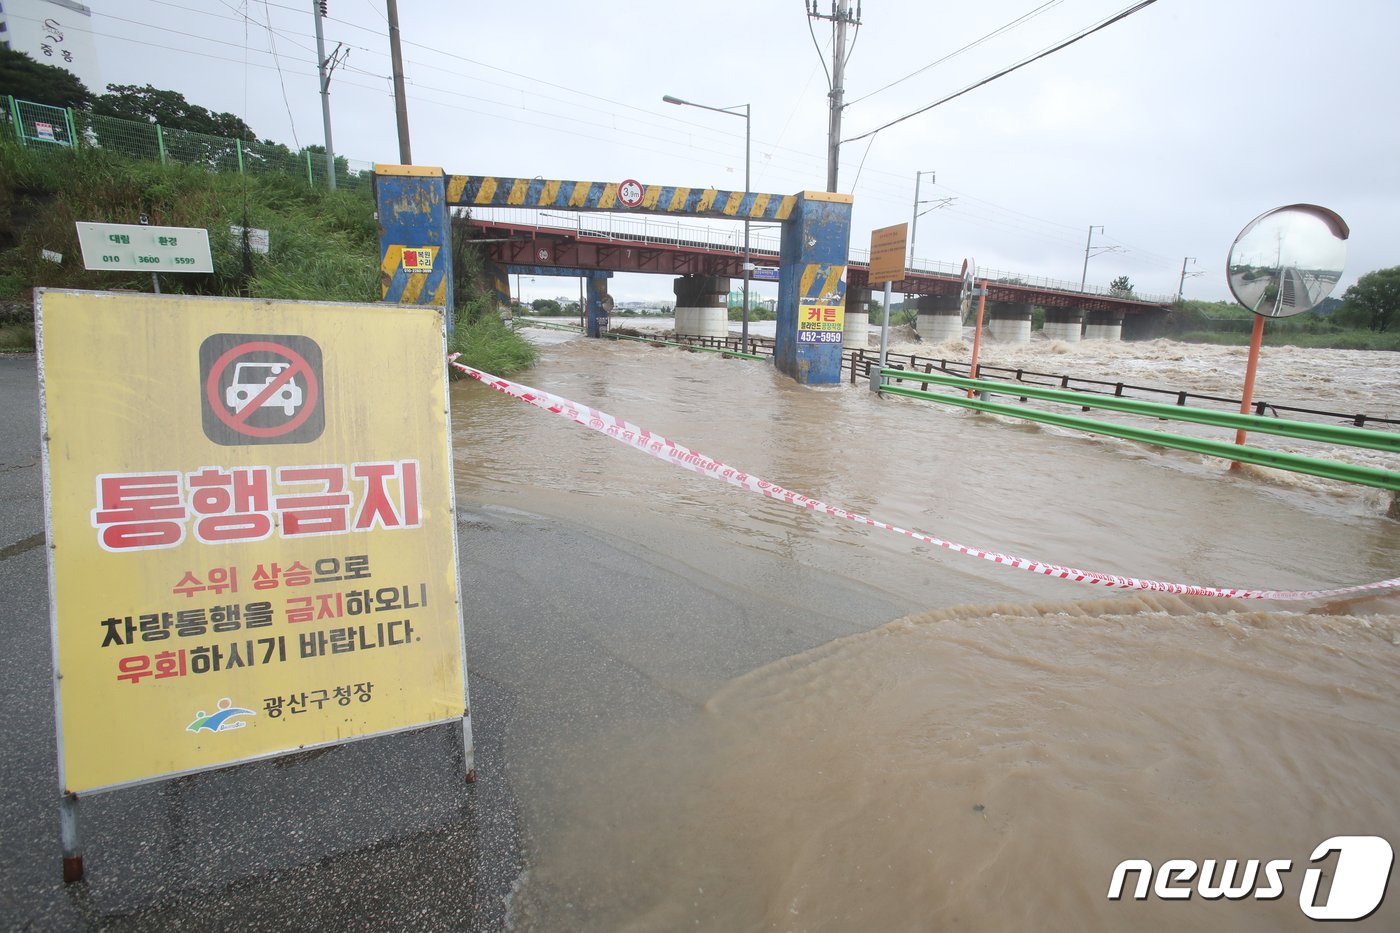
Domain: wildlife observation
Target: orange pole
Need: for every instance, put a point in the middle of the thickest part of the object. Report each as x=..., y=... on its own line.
x=1256, y=341
x=977, y=335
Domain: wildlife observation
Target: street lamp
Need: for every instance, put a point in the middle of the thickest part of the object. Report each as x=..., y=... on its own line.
x=748, y=266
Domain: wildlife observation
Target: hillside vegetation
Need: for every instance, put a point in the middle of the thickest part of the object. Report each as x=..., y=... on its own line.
x=324, y=244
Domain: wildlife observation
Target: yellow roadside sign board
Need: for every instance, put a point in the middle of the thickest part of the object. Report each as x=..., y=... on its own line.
x=250, y=516
x=887, y=249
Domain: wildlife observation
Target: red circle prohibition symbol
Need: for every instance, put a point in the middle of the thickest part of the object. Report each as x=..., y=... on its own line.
x=239, y=420
x=630, y=192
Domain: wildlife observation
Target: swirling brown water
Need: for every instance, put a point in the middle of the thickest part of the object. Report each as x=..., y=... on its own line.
x=984, y=762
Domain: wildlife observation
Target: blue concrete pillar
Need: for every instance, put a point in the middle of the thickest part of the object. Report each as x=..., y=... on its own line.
x=812, y=288
x=415, y=236
x=599, y=307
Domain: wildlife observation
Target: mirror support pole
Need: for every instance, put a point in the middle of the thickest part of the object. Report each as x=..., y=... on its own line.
x=1247, y=400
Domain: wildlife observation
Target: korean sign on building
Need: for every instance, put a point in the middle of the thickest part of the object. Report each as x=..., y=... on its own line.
x=53, y=32
x=253, y=544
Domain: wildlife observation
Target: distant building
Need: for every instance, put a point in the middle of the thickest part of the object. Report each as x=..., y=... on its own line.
x=53, y=32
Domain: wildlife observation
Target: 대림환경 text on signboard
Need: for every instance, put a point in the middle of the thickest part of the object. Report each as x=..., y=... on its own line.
x=887, y=248
x=253, y=544
x=142, y=248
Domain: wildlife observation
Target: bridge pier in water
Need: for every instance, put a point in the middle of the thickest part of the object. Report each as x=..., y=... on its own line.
x=856, y=332
x=702, y=306
x=1065, y=324
x=597, y=315
x=812, y=288
x=1103, y=325
x=1008, y=321
x=940, y=318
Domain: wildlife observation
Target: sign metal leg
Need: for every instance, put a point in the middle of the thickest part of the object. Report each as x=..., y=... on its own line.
x=70, y=839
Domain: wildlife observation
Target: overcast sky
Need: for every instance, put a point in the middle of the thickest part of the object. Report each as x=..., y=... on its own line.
x=1171, y=129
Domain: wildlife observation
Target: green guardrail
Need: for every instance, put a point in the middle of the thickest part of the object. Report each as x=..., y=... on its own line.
x=1296, y=463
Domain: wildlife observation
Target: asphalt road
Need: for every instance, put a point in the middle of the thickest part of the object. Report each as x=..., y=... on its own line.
x=563, y=642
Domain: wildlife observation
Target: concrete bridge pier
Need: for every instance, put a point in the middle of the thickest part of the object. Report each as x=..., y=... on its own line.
x=940, y=318
x=1008, y=321
x=598, y=313
x=1064, y=324
x=1103, y=325
x=856, y=331
x=702, y=306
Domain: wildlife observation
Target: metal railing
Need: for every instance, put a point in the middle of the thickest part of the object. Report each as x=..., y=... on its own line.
x=861, y=362
x=64, y=129
x=976, y=396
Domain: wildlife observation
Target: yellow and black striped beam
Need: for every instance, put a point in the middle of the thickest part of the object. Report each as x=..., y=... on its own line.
x=493, y=191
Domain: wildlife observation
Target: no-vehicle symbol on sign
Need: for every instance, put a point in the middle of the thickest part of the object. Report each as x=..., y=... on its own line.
x=261, y=389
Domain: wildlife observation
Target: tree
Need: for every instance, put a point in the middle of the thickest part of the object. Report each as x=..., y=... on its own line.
x=26, y=79
x=1121, y=287
x=1373, y=302
x=547, y=307
x=170, y=109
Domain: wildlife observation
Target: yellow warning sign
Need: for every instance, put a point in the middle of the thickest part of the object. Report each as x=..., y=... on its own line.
x=253, y=544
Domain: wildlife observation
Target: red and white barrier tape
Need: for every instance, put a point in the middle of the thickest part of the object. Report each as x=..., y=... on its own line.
x=671, y=452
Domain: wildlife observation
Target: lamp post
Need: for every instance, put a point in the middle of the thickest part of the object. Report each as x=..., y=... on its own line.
x=748, y=266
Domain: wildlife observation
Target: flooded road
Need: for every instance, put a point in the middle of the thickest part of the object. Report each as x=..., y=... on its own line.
x=824, y=726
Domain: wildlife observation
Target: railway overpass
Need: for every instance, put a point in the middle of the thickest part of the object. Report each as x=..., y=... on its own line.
x=538, y=241
x=815, y=265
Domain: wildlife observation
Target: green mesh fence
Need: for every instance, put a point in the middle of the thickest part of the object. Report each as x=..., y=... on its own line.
x=40, y=125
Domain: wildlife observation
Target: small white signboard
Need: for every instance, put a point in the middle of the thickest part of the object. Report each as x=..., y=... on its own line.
x=135, y=248
x=258, y=240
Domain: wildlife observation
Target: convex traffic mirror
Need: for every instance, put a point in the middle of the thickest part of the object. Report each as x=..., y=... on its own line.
x=1288, y=259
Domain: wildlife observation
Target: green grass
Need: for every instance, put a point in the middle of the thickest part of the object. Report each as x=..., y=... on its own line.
x=16, y=338
x=489, y=345
x=324, y=245
x=1338, y=340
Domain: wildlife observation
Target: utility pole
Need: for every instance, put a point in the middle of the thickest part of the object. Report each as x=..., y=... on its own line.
x=1181, y=287
x=1085, y=277
x=914, y=227
x=318, y=10
x=840, y=17
x=400, y=104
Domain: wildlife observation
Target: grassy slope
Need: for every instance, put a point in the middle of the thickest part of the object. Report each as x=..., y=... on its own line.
x=324, y=244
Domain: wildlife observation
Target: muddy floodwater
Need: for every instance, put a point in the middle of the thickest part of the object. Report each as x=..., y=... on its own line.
x=893, y=736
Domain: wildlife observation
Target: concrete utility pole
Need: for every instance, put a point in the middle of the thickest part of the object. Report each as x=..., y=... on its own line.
x=841, y=17
x=1181, y=286
x=1085, y=277
x=838, y=95
x=318, y=10
x=400, y=103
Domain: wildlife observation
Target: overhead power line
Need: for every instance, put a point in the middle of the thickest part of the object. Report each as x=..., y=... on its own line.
x=1117, y=17
x=1018, y=21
